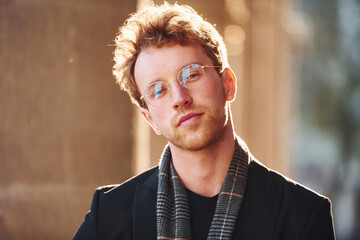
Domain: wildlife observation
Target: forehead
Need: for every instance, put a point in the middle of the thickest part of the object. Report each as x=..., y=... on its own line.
x=162, y=64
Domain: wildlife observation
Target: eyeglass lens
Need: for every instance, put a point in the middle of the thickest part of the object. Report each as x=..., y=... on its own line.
x=190, y=77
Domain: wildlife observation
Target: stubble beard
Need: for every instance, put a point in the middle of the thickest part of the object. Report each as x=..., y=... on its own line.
x=208, y=131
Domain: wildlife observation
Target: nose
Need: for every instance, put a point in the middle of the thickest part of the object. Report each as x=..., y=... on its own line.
x=180, y=96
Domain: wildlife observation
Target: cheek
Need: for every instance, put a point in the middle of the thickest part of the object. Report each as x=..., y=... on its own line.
x=214, y=91
x=159, y=117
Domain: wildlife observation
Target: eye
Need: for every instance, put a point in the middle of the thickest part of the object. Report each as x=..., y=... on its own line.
x=193, y=75
x=190, y=74
x=157, y=90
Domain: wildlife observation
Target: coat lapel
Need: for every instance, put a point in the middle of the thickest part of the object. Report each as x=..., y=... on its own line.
x=144, y=225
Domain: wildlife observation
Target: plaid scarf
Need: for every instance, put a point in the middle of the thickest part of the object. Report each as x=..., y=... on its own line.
x=173, y=211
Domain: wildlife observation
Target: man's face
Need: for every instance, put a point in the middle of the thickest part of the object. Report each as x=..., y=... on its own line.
x=191, y=119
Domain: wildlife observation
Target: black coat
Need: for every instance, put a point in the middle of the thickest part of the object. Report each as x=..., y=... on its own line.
x=273, y=207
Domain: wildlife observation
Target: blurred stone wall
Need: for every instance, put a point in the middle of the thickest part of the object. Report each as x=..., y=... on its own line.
x=65, y=127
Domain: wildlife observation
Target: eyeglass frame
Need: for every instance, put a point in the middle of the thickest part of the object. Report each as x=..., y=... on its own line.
x=143, y=98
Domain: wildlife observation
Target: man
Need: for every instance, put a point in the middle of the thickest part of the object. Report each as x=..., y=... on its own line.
x=174, y=66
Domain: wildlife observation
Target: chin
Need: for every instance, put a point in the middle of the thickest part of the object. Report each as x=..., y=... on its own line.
x=201, y=138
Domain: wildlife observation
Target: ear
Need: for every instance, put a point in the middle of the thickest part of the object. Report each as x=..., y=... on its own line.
x=147, y=115
x=229, y=84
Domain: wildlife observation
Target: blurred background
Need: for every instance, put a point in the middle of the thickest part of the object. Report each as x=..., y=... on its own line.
x=66, y=128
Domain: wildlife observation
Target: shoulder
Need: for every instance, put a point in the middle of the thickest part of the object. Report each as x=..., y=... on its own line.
x=112, y=208
x=288, y=208
x=128, y=187
x=116, y=201
x=262, y=176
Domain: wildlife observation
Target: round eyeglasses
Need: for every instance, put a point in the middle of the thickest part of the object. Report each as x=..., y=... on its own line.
x=190, y=77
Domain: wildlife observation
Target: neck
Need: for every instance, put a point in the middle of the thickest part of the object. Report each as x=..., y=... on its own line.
x=204, y=171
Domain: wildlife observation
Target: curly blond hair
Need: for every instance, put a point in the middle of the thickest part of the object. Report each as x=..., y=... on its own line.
x=157, y=26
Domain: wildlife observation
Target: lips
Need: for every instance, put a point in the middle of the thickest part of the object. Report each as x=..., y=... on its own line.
x=189, y=118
